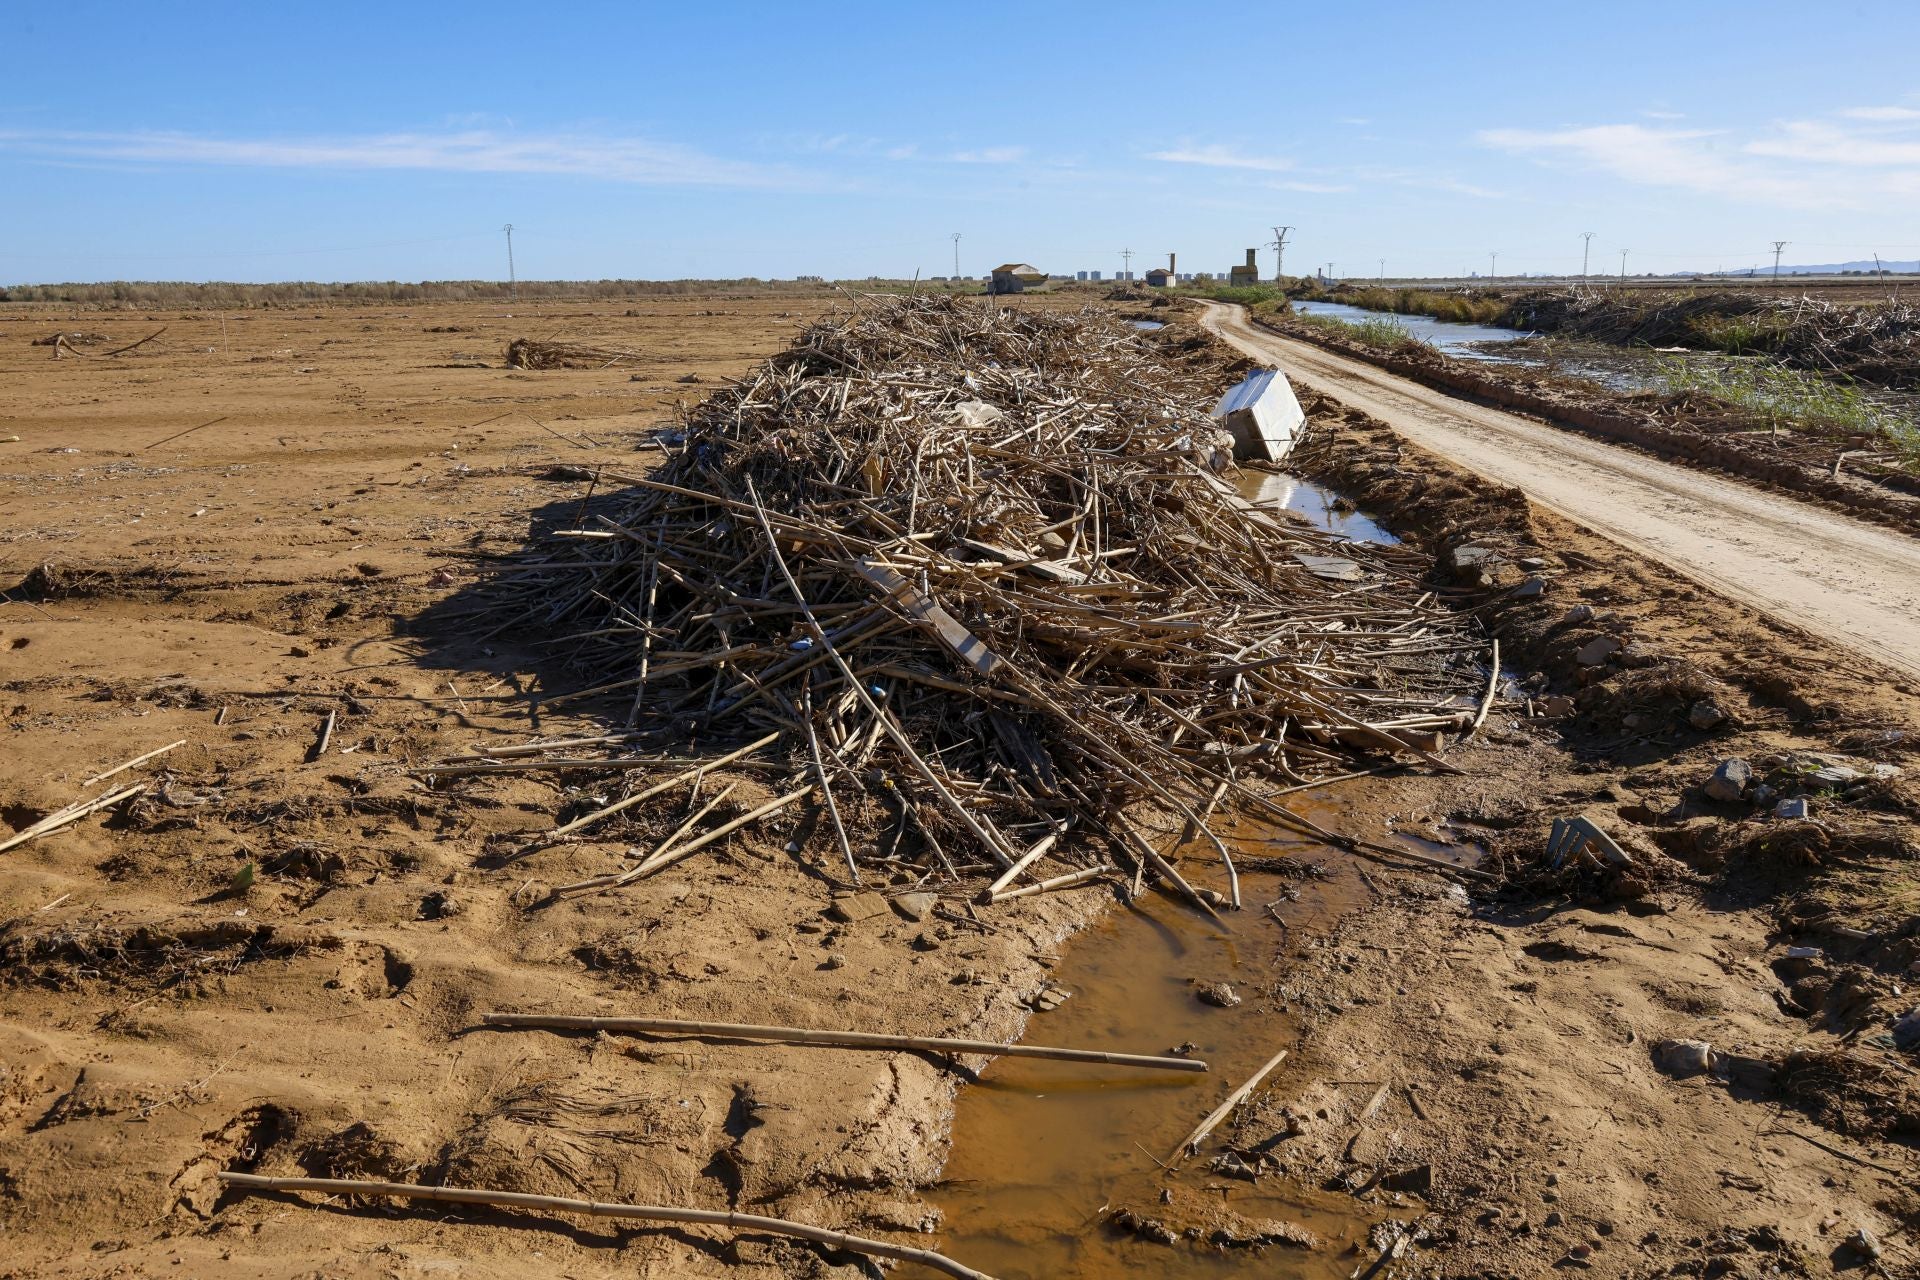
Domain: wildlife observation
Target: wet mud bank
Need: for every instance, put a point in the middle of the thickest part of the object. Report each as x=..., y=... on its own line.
x=1806, y=469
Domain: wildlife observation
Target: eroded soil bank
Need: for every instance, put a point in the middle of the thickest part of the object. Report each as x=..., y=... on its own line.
x=1479, y=1071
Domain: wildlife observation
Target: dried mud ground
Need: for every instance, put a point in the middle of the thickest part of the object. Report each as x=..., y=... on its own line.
x=315, y=541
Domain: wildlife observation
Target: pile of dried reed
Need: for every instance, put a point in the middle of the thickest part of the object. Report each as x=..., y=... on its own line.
x=535, y=353
x=974, y=571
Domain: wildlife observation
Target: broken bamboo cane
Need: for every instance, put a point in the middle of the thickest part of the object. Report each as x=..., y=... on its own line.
x=599, y=1209
x=122, y=768
x=838, y=1039
x=70, y=815
x=1067, y=881
x=1191, y=1143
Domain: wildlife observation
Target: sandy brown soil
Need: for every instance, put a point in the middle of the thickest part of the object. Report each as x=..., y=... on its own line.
x=314, y=547
x=310, y=551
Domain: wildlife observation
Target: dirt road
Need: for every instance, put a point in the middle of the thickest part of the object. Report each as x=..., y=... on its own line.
x=1843, y=580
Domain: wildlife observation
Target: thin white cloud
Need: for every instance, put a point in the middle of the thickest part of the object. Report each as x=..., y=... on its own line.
x=1820, y=143
x=989, y=155
x=1652, y=113
x=1220, y=157
x=1311, y=188
x=1848, y=161
x=1882, y=113
x=1428, y=182
x=609, y=158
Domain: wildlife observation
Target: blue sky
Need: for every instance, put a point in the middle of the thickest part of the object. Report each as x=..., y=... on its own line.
x=391, y=141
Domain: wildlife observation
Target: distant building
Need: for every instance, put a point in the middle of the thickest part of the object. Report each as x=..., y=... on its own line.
x=1079, y=275
x=1249, y=274
x=1015, y=277
x=1160, y=278
x=1093, y=275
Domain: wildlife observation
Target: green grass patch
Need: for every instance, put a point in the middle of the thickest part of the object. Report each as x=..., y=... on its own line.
x=1460, y=308
x=1379, y=332
x=1784, y=397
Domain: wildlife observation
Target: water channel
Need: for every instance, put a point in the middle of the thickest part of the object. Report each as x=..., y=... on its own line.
x=1043, y=1151
x=1615, y=368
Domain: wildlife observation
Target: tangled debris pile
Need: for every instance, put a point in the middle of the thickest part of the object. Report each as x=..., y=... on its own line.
x=535, y=353
x=1879, y=343
x=974, y=571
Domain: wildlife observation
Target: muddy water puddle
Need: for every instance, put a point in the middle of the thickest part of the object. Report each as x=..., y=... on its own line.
x=1327, y=509
x=1043, y=1152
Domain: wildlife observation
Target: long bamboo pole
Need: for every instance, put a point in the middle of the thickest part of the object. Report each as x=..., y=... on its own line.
x=599, y=1209
x=839, y=1039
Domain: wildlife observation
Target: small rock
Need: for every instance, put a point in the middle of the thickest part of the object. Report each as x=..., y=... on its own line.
x=1794, y=807
x=1553, y=1219
x=834, y=961
x=1417, y=1178
x=1579, y=613
x=1218, y=994
x=916, y=906
x=1683, y=1058
x=925, y=942
x=1705, y=715
x=438, y=905
x=1048, y=998
x=1834, y=775
x=1596, y=651
x=1556, y=704
x=1531, y=563
x=1729, y=780
x=1235, y=1231
x=1906, y=1030
x=1862, y=1242
x=1531, y=589
x=1469, y=556
x=1144, y=1227
x=858, y=906
x=1763, y=795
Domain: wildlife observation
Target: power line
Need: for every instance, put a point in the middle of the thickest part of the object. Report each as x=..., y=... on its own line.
x=956, y=255
x=1279, y=246
x=1126, y=257
x=1778, y=245
x=513, y=285
x=1586, y=248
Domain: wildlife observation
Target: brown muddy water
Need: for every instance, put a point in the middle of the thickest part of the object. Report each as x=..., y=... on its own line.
x=1044, y=1151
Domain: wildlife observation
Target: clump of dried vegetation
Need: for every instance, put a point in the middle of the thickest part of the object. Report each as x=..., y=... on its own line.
x=976, y=573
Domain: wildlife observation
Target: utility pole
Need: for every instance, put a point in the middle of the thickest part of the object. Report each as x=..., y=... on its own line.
x=1126, y=258
x=956, y=255
x=1493, y=266
x=1623, y=266
x=513, y=286
x=1586, y=251
x=1778, y=245
x=1279, y=246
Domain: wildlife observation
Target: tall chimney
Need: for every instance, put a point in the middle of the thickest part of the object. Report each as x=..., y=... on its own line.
x=1250, y=259
x=1170, y=270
